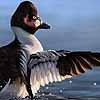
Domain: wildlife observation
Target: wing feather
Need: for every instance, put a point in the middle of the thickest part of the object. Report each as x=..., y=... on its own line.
x=52, y=66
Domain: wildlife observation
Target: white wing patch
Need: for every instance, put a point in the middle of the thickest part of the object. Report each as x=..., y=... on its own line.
x=43, y=74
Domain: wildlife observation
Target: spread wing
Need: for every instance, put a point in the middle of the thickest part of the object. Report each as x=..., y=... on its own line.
x=52, y=66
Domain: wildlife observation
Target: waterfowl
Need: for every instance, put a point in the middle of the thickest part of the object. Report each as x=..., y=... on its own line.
x=28, y=66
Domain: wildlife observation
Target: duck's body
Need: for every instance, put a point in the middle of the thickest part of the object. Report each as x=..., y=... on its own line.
x=11, y=55
x=27, y=67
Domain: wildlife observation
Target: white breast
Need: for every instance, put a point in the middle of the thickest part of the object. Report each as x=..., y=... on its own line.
x=28, y=41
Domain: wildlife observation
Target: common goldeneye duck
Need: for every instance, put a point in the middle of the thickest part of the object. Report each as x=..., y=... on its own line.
x=27, y=66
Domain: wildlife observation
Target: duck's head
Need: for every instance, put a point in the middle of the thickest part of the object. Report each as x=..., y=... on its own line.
x=26, y=17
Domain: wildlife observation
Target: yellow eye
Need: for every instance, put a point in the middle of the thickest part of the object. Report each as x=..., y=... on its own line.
x=34, y=17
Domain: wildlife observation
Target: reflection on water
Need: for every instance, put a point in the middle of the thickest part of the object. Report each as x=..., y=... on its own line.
x=75, y=26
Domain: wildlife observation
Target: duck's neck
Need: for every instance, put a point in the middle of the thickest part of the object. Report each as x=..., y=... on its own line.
x=27, y=40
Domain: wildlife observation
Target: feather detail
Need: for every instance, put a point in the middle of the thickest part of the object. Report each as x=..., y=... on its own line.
x=53, y=66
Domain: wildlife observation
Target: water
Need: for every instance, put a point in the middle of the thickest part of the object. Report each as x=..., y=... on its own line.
x=75, y=26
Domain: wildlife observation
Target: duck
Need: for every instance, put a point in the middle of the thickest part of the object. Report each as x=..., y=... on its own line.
x=27, y=66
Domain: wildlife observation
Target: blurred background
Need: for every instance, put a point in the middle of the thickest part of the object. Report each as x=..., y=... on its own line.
x=75, y=25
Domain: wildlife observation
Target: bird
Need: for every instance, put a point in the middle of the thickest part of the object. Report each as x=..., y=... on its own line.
x=26, y=65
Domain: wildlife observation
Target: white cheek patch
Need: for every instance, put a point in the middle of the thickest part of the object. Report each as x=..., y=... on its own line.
x=37, y=23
